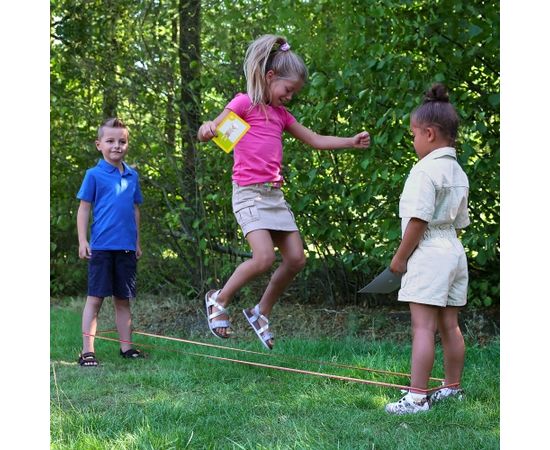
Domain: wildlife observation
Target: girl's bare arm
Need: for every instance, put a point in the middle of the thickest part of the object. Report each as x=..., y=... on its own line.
x=322, y=142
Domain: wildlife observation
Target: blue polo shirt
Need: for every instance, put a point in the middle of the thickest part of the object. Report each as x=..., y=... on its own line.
x=112, y=195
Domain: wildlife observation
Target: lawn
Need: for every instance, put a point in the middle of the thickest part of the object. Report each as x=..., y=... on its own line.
x=173, y=400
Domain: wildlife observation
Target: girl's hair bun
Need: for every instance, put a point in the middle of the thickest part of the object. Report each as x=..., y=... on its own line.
x=437, y=93
x=437, y=110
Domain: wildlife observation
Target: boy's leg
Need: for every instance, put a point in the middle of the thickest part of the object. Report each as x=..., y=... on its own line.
x=123, y=320
x=424, y=326
x=89, y=322
x=452, y=342
x=124, y=288
x=263, y=257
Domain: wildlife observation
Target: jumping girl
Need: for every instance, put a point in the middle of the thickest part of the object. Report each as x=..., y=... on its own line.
x=274, y=74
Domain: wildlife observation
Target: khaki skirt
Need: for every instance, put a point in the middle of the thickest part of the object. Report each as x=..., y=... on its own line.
x=262, y=207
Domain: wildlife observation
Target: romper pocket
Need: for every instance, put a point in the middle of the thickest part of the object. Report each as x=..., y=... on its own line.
x=246, y=212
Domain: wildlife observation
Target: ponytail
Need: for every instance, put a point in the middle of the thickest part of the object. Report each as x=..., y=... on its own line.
x=270, y=52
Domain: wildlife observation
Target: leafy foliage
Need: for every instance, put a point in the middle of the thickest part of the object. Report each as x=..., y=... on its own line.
x=368, y=70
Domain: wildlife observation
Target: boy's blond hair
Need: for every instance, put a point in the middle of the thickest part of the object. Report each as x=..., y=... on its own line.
x=113, y=122
x=270, y=52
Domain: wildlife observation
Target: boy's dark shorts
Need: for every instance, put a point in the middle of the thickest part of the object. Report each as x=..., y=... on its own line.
x=112, y=273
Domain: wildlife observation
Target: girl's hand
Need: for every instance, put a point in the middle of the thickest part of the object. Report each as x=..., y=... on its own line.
x=398, y=265
x=361, y=140
x=207, y=131
x=138, y=251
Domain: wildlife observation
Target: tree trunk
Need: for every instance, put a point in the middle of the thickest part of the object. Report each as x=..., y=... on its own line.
x=170, y=129
x=189, y=54
x=110, y=98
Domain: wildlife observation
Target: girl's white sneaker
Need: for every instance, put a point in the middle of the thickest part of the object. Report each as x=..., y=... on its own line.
x=444, y=393
x=408, y=406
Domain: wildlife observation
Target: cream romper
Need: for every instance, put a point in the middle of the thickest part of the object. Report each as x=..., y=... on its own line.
x=436, y=191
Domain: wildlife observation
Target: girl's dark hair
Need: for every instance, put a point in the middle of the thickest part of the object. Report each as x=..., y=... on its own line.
x=437, y=111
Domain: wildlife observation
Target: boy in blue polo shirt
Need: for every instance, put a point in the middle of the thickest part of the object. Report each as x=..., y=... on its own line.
x=111, y=190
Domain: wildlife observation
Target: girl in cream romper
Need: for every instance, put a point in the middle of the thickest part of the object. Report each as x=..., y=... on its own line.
x=433, y=206
x=436, y=191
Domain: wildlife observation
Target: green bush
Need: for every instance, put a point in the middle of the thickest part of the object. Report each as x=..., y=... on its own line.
x=368, y=70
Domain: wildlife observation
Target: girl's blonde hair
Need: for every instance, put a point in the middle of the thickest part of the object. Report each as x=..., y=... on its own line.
x=270, y=52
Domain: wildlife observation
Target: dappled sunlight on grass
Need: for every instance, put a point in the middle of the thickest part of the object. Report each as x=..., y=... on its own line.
x=380, y=401
x=68, y=363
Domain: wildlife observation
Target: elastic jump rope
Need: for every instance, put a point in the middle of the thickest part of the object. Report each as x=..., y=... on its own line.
x=101, y=335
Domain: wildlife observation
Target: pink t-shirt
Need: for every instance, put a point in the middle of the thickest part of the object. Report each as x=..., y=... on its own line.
x=259, y=154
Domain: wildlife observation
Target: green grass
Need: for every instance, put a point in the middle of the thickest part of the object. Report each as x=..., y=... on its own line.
x=172, y=400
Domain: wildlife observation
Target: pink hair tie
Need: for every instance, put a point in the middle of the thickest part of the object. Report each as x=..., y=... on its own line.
x=285, y=47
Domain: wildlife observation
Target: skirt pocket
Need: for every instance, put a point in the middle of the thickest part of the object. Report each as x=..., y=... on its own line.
x=246, y=212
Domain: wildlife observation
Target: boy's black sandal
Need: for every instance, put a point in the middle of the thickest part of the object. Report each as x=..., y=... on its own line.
x=88, y=360
x=132, y=353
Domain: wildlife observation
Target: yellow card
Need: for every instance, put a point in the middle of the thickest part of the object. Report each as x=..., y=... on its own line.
x=230, y=131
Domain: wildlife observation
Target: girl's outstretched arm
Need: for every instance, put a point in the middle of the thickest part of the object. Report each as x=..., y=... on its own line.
x=208, y=129
x=321, y=142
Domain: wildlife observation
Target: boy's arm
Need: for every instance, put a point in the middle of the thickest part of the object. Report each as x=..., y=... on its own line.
x=413, y=233
x=322, y=142
x=82, y=219
x=208, y=129
x=137, y=215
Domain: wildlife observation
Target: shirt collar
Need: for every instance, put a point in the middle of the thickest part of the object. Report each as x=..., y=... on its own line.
x=440, y=153
x=109, y=168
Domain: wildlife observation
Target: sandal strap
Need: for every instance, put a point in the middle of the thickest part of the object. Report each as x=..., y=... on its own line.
x=256, y=314
x=263, y=332
x=131, y=353
x=88, y=359
x=211, y=301
x=252, y=316
x=217, y=313
x=265, y=335
x=264, y=328
x=220, y=324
